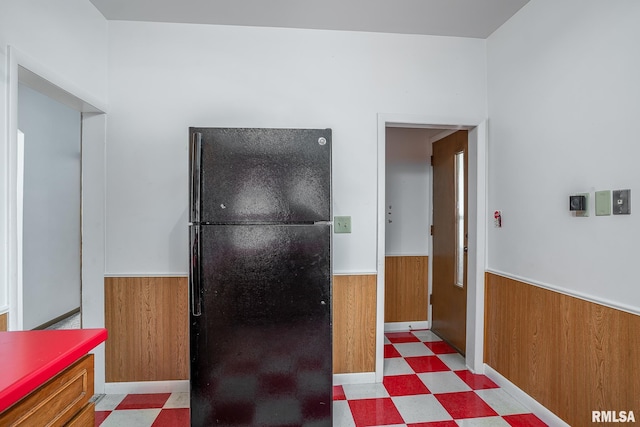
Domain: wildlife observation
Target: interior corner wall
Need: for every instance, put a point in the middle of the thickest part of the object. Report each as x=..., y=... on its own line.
x=563, y=100
x=164, y=78
x=564, y=96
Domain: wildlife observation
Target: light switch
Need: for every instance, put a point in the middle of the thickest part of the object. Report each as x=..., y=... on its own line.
x=342, y=224
x=603, y=203
x=621, y=202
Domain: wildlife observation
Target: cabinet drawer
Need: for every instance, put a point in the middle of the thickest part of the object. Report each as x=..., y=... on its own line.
x=86, y=417
x=57, y=401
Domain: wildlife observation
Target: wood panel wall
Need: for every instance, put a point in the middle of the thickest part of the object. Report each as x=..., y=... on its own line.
x=147, y=320
x=571, y=355
x=406, y=294
x=4, y=320
x=354, y=323
x=148, y=324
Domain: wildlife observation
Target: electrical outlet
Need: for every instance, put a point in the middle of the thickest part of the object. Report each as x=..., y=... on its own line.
x=342, y=224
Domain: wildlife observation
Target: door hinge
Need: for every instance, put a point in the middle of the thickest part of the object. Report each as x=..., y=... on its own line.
x=431, y=160
x=431, y=299
x=431, y=230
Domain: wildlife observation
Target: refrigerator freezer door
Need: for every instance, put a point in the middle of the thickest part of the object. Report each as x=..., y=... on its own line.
x=264, y=175
x=261, y=350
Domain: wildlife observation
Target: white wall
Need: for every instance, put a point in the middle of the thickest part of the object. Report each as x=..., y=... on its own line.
x=408, y=191
x=164, y=78
x=51, y=207
x=564, y=99
x=4, y=217
x=93, y=230
x=67, y=41
x=68, y=37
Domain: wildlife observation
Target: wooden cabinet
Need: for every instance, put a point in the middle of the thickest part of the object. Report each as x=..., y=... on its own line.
x=63, y=400
x=85, y=418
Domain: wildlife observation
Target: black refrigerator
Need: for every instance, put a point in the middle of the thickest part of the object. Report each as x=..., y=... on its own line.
x=260, y=277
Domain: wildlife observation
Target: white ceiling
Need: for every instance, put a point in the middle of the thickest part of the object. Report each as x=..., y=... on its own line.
x=461, y=18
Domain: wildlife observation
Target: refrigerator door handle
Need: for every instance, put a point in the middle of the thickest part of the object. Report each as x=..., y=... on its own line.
x=194, y=272
x=194, y=192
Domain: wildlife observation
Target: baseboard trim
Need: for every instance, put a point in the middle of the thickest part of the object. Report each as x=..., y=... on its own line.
x=178, y=386
x=58, y=319
x=529, y=402
x=357, y=378
x=406, y=326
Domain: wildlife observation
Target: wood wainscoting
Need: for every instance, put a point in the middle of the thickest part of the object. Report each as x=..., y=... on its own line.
x=4, y=320
x=406, y=288
x=148, y=323
x=573, y=356
x=354, y=323
x=147, y=319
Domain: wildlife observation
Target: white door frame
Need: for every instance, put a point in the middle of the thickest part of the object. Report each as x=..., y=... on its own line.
x=22, y=68
x=477, y=229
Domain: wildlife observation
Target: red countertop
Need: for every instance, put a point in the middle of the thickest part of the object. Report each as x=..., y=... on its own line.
x=29, y=359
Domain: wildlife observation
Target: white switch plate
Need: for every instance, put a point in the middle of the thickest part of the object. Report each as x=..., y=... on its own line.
x=342, y=224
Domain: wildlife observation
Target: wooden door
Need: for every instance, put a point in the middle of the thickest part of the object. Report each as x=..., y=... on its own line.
x=450, y=207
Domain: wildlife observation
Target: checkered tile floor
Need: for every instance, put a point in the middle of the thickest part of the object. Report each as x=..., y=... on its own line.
x=143, y=410
x=426, y=384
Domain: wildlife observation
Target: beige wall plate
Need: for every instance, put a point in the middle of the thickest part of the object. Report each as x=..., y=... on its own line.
x=603, y=203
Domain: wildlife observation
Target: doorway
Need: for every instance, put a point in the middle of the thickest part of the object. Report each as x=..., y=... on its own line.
x=477, y=228
x=408, y=217
x=26, y=75
x=49, y=209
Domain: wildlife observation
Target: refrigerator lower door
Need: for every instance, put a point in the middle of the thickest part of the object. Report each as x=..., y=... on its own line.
x=261, y=351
